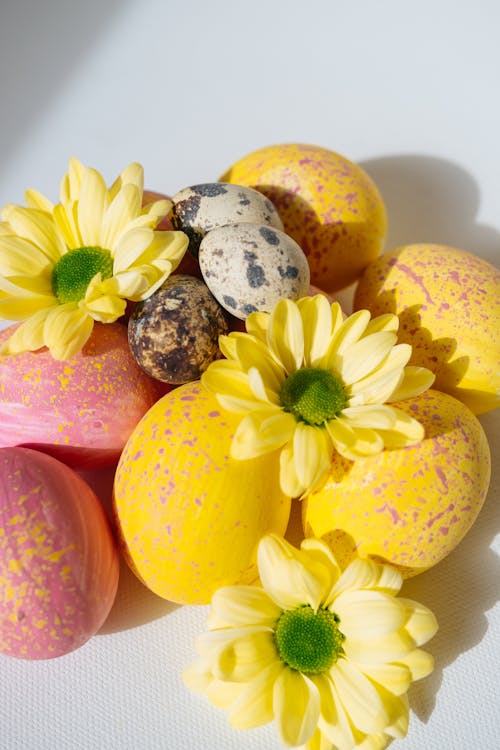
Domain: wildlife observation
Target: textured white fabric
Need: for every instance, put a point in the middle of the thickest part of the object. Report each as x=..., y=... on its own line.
x=409, y=90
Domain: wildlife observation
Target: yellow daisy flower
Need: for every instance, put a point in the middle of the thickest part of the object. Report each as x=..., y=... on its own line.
x=328, y=655
x=64, y=266
x=308, y=382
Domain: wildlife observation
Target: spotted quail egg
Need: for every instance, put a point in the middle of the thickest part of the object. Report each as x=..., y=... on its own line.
x=249, y=267
x=200, y=208
x=174, y=333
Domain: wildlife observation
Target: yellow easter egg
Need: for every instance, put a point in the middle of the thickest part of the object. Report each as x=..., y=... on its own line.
x=190, y=517
x=328, y=204
x=448, y=304
x=410, y=506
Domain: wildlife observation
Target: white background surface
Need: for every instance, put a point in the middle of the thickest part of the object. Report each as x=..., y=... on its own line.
x=409, y=90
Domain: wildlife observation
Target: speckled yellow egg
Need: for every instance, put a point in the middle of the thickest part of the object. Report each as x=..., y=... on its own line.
x=189, y=516
x=58, y=560
x=328, y=204
x=448, y=304
x=411, y=506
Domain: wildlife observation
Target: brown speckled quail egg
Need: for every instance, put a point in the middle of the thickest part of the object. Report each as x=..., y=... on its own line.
x=174, y=333
x=199, y=208
x=249, y=267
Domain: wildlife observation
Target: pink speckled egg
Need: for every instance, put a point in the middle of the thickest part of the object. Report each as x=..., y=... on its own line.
x=328, y=204
x=80, y=411
x=448, y=304
x=58, y=561
x=188, y=515
x=411, y=506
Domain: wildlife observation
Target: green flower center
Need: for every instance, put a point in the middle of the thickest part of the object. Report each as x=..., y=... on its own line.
x=309, y=641
x=313, y=396
x=74, y=271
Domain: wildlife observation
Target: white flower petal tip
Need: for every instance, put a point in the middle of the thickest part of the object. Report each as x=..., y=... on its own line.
x=307, y=382
x=328, y=655
x=77, y=262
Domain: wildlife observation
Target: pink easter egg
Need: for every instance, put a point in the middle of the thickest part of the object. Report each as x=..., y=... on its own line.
x=58, y=560
x=81, y=411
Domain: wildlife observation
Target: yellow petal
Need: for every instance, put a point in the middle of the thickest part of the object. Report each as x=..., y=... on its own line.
x=236, y=606
x=123, y=208
x=253, y=353
x=131, y=245
x=353, y=442
x=261, y=432
x=315, y=549
x=296, y=704
x=368, y=614
x=105, y=308
x=223, y=694
x=28, y=337
x=36, y=200
x=167, y=245
x=40, y=230
x=359, y=697
x=213, y=642
x=157, y=210
x=92, y=205
x=290, y=577
x=317, y=323
x=244, y=659
x=362, y=357
x=393, y=647
x=419, y=662
x=367, y=574
x=133, y=174
x=23, y=307
x=380, y=384
x=66, y=330
x=71, y=181
x=384, y=322
x=198, y=675
x=18, y=257
x=312, y=451
x=347, y=334
x=225, y=379
x=257, y=324
x=400, y=716
x=415, y=380
x=421, y=623
x=260, y=388
x=405, y=431
x=289, y=480
x=396, y=678
x=66, y=219
x=334, y=722
x=253, y=705
x=285, y=335
x=374, y=416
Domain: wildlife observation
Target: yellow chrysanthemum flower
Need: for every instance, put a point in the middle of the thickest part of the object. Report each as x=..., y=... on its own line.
x=64, y=266
x=309, y=381
x=328, y=655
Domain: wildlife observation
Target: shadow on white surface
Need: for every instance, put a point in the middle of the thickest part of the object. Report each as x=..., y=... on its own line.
x=41, y=44
x=460, y=590
x=432, y=200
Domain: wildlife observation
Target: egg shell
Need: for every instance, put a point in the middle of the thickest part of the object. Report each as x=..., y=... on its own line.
x=200, y=208
x=58, y=561
x=249, y=267
x=411, y=506
x=448, y=304
x=174, y=334
x=189, y=516
x=328, y=204
x=80, y=411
